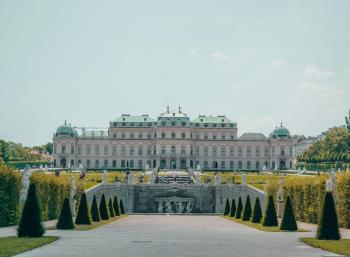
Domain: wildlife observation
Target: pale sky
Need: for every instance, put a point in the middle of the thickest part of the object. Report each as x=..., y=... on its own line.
x=258, y=62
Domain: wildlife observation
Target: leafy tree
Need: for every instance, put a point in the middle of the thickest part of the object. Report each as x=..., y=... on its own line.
x=95, y=213
x=247, y=212
x=65, y=221
x=83, y=215
x=239, y=209
x=328, y=228
x=103, y=208
x=257, y=213
x=288, y=221
x=347, y=121
x=110, y=208
x=227, y=207
x=122, y=211
x=30, y=224
x=233, y=208
x=116, y=206
x=270, y=218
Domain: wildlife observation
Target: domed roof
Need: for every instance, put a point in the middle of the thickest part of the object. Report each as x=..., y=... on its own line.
x=280, y=132
x=173, y=115
x=66, y=130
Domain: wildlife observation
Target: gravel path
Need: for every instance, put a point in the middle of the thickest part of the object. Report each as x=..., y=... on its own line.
x=172, y=236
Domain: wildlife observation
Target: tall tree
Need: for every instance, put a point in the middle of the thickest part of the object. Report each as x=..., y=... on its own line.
x=347, y=121
x=95, y=213
x=103, y=208
x=110, y=208
x=116, y=206
x=121, y=206
x=30, y=224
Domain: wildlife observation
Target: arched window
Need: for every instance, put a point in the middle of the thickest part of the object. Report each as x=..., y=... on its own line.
x=105, y=164
x=97, y=164
x=162, y=149
x=239, y=165
x=248, y=165
x=257, y=165
x=173, y=149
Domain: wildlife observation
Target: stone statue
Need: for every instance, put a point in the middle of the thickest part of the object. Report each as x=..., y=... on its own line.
x=217, y=179
x=24, y=186
x=104, y=177
x=280, y=197
x=152, y=176
x=73, y=192
x=130, y=178
x=244, y=179
x=160, y=207
x=169, y=209
x=147, y=167
x=180, y=207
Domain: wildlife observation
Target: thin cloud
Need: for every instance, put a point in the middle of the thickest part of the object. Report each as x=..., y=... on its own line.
x=221, y=56
x=316, y=72
x=278, y=62
x=194, y=52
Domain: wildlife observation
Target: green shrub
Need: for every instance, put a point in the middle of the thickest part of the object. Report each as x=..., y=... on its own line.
x=122, y=211
x=247, y=212
x=288, y=221
x=257, y=213
x=103, y=208
x=83, y=215
x=30, y=224
x=270, y=218
x=95, y=213
x=328, y=228
x=110, y=208
x=233, y=208
x=239, y=209
x=65, y=221
x=116, y=206
x=227, y=208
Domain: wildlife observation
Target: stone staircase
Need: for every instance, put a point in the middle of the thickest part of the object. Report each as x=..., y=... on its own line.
x=168, y=179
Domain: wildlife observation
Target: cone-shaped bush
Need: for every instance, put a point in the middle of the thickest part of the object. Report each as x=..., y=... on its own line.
x=30, y=224
x=257, y=213
x=328, y=228
x=288, y=221
x=227, y=208
x=103, y=208
x=122, y=211
x=95, y=213
x=270, y=218
x=116, y=206
x=110, y=208
x=83, y=215
x=233, y=208
x=247, y=212
x=239, y=209
x=65, y=221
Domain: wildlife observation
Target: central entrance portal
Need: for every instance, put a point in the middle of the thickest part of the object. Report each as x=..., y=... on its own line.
x=173, y=164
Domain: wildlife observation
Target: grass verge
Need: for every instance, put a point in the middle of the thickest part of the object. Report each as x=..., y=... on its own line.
x=259, y=226
x=13, y=245
x=94, y=224
x=341, y=246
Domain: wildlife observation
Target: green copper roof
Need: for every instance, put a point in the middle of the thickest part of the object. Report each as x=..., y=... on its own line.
x=129, y=118
x=94, y=134
x=212, y=119
x=280, y=132
x=66, y=130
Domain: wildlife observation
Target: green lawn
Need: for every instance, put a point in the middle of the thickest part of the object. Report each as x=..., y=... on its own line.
x=12, y=245
x=259, y=226
x=95, y=224
x=337, y=246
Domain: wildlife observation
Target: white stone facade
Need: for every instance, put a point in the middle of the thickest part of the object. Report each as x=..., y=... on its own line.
x=171, y=142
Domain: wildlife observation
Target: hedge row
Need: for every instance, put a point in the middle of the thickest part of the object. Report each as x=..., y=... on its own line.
x=23, y=164
x=51, y=191
x=324, y=166
x=307, y=195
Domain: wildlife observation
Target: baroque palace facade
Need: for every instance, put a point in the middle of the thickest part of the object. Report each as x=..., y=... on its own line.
x=171, y=142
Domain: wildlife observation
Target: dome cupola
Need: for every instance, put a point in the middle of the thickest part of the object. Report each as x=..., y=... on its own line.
x=280, y=132
x=66, y=130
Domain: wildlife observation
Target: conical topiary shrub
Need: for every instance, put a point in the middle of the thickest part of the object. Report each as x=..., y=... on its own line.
x=95, y=213
x=103, y=208
x=65, y=221
x=233, y=208
x=83, y=215
x=30, y=224
x=239, y=209
x=247, y=212
x=257, y=213
x=288, y=221
x=270, y=218
x=227, y=208
x=116, y=206
x=110, y=208
x=328, y=228
x=122, y=211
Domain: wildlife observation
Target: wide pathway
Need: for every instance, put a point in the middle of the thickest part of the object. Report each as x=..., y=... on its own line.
x=172, y=236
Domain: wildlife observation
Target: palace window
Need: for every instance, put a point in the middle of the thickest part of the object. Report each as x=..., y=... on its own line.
x=206, y=165
x=214, y=136
x=114, y=150
x=223, y=137
x=232, y=165
x=105, y=164
x=97, y=150
x=196, y=150
x=63, y=149
x=72, y=163
x=266, y=151
x=183, y=135
x=205, y=136
x=105, y=150
x=163, y=134
x=140, y=135
x=232, y=137
x=123, y=150
x=140, y=151
x=123, y=135
x=257, y=151
x=183, y=149
x=131, y=135
x=239, y=151
x=223, y=151
x=173, y=135
x=205, y=150
x=248, y=165
x=114, y=135
x=149, y=136
x=88, y=149
x=214, y=151
x=97, y=164
x=140, y=164
x=114, y=164
x=131, y=150
x=232, y=151
x=249, y=151
x=173, y=150
x=257, y=165
x=88, y=164
x=72, y=149
x=282, y=150
x=222, y=165
x=79, y=149
x=162, y=150
x=131, y=164
x=149, y=150
x=122, y=164
x=239, y=165
x=273, y=150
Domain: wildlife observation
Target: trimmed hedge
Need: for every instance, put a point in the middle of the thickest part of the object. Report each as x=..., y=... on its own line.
x=83, y=215
x=270, y=217
x=257, y=213
x=116, y=206
x=110, y=208
x=227, y=208
x=288, y=221
x=65, y=220
x=233, y=208
x=239, y=209
x=95, y=213
x=103, y=208
x=247, y=212
x=121, y=206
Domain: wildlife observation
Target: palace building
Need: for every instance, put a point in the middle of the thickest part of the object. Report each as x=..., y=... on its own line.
x=174, y=142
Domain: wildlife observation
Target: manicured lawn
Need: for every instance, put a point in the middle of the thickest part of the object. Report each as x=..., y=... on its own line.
x=259, y=226
x=12, y=245
x=95, y=224
x=337, y=246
